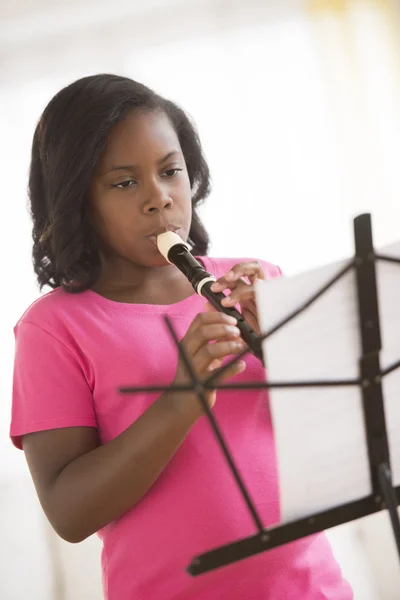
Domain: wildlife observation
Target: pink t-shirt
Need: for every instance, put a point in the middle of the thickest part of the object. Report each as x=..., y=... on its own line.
x=73, y=352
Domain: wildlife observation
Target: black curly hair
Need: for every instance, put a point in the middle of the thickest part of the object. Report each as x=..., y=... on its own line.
x=67, y=144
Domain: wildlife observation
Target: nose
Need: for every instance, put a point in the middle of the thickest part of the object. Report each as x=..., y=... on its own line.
x=157, y=199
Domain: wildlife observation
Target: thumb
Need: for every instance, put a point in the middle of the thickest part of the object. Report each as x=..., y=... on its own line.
x=209, y=307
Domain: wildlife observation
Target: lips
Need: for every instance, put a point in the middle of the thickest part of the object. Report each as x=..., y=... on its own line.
x=153, y=236
x=153, y=240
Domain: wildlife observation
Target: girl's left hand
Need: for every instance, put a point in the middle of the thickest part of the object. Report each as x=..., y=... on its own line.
x=242, y=291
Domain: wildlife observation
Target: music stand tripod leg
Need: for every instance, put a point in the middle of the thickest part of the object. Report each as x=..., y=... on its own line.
x=389, y=496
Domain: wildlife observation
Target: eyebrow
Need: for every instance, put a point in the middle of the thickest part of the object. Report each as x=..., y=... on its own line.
x=133, y=167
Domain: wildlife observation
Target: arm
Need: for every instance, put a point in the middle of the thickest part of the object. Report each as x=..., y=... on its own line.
x=83, y=485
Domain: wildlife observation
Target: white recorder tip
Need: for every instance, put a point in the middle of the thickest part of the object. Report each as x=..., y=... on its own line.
x=165, y=241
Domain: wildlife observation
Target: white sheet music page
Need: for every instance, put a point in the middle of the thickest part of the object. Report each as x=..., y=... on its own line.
x=319, y=432
x=388, y=281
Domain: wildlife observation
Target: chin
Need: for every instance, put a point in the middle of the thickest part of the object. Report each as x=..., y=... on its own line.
x=156, y=260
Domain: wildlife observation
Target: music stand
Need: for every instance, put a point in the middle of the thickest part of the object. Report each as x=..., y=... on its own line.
x=369, y=381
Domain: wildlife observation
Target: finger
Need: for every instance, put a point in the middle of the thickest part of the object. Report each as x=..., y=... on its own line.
x=250, y=308
x=250, y=270
x=223, y=284
x=218, y=332
x=237, y=367
x=215, y=364
x=208, y=332
x=219, y=350
x=253, y=279
x=209, y=307
x=252, y=319
x=211, y=317
x=240, y=294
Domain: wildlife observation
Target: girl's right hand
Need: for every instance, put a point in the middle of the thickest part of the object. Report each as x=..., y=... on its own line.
x=221, y=330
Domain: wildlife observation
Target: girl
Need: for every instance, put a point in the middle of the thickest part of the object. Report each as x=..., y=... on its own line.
x=113, y=165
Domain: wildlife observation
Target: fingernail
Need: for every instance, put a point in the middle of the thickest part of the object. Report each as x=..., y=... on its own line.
x=238, y=345
x=227, y=300
x=230, y=319
x=214, y=365
x=233, y=330
x=216, y=287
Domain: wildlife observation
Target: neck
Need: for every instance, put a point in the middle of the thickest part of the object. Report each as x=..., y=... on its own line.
x=142, y=285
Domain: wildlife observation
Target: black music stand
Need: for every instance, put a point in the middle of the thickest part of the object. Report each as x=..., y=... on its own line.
x=384, y=495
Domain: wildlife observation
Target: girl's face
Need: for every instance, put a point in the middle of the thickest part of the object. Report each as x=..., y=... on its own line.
x=141, y=188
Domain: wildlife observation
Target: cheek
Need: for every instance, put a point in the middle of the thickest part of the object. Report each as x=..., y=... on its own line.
x=114, y=225
x=121, y=228
x=185, y=195
x=188, y=187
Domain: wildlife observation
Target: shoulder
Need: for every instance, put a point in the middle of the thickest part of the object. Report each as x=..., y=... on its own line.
x=219, y=266
x=50, y=310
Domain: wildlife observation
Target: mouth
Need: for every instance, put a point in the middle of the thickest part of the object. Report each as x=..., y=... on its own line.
x=153, y=238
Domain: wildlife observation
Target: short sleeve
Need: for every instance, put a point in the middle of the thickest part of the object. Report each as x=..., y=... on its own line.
x=50, y=390
x=271, y=271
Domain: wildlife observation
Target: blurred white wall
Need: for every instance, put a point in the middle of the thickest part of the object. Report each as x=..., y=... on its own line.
x=298, y=108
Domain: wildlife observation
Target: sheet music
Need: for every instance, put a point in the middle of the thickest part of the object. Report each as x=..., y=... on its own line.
x=388, y=281
x=319, y=432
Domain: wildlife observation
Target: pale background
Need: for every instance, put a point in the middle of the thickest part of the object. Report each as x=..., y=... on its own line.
x=298, y=107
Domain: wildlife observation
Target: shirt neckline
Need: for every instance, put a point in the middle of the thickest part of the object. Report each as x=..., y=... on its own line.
x=155, y=308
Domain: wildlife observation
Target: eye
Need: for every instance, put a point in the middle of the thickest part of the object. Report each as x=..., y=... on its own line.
x=123, y=185
x=172, y=172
